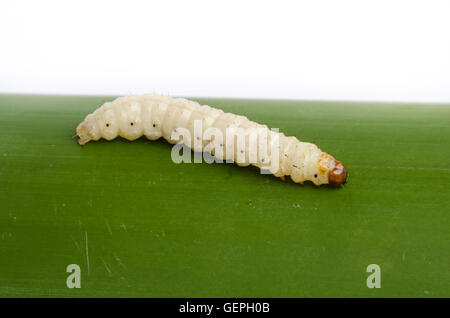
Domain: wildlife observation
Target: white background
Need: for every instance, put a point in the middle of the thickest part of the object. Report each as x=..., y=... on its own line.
x=320, y=50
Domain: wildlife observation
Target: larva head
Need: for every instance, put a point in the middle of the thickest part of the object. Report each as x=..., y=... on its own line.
x=331, y=171
x=338, y=176
x=88, y=130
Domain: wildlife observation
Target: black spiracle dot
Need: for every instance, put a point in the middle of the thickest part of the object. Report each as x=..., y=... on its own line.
x=315, y=175
x=107, y=125
x=131, y=123
x=262, y=160
x=154, y=125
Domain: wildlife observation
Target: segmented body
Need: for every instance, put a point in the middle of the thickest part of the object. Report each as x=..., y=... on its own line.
x=156, y=116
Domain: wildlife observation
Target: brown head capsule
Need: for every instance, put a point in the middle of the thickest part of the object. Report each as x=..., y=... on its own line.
x=338, y=176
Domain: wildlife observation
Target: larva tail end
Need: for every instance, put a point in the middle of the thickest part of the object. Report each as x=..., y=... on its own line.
x=81, y=142
x=338, y=176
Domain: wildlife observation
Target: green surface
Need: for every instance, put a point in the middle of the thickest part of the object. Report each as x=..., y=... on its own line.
x=140, y=225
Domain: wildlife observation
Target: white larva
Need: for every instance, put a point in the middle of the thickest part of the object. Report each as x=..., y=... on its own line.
x=156, y=116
